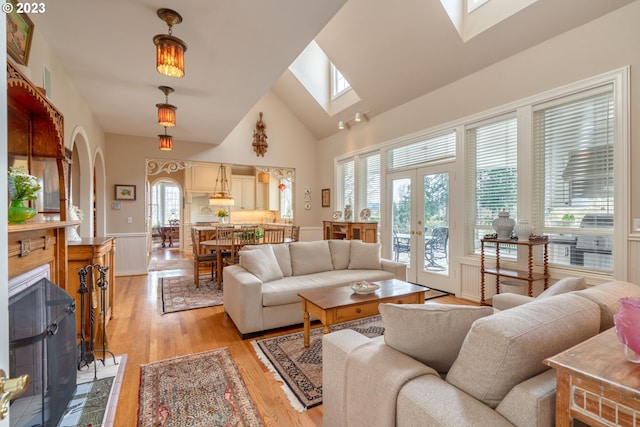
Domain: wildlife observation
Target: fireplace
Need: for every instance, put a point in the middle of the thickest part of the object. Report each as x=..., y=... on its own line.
x=42, y=335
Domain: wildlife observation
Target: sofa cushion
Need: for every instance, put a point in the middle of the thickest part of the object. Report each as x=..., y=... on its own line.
x=508, y=347
x=262, y=263
x=310, y=257
x=430, y=333
x=364, y=256
x=285, y=290
x=280, y=250
x=340, y=251
x=607, y=296
x=562, y=286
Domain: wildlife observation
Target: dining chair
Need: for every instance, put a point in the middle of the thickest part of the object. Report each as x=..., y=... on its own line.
x=273, y=235
x=201, y=256
x=295, y=233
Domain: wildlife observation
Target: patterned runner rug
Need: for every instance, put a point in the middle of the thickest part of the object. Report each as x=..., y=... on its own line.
x=178, y=293
x=300, y=368
x=197, y=390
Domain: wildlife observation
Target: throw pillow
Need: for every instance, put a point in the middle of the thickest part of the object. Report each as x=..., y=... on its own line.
x=340, y=250
x=364, y=256
x=310, y=257
x=568, y=284
x=430, y=333
x=262, y=263
x=281, y=251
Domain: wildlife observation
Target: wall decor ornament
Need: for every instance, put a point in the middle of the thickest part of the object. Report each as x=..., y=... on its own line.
x=326, y=197
x=503, y=225
x=19, y=34
x=260, y=144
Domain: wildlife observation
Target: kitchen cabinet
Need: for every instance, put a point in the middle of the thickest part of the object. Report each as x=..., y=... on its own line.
x=202, y=177
x=243, y=191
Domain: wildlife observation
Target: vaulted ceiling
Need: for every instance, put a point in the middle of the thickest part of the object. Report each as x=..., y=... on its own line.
x=390, y=52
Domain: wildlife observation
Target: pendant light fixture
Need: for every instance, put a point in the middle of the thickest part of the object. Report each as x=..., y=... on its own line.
x=169, y=49
x=165, y=141
x=222, y=193
x=166, y=111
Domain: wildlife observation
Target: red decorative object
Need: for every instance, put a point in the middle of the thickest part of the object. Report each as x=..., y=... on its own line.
x=282, y=187
x=627, y=323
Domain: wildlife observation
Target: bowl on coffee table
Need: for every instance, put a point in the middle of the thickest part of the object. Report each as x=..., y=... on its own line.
x=363, y=287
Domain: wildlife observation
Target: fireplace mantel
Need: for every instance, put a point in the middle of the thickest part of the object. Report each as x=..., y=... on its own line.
x=38, y=243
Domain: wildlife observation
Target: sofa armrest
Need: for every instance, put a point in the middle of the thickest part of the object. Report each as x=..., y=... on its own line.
x=242, y=295
x=509, y=300
x=335, y=348
x=532, y=402
x=397, y=268
x=431, y=401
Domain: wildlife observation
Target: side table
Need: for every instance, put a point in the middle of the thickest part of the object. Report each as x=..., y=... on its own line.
x=596, y=384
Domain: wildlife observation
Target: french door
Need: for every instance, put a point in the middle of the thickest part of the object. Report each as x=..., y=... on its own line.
x=418, y=208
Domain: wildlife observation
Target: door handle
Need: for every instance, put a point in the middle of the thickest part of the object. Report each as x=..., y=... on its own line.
x=10, y=388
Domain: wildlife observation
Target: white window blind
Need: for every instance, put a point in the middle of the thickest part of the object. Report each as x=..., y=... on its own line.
x=492, y=172
x=574, y=159
x=346, y=184
x=423, y=151
x=368, y=186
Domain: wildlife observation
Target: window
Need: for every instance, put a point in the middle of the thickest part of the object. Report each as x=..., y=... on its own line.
x=286, y=199
x=574, y=148
x=369, y=184
x=339, y=84
x=492, y=174
x=346, y=184
x=423, y=151
x=165, y=199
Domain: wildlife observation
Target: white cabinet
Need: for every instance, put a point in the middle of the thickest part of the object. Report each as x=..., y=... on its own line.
x=243, y=190
x=201, y=177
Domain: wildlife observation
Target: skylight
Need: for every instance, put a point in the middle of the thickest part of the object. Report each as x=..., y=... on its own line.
x=339, y=84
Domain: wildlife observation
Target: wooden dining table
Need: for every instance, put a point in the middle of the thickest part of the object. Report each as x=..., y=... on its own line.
x=219, y=246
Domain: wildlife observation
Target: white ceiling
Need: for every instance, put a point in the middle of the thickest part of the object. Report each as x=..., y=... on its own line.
x=390, y=51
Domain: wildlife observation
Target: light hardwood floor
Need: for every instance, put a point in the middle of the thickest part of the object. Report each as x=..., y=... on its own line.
x=138, y=330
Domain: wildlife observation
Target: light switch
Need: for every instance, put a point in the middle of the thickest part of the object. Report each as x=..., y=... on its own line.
x=636, y=224
x=129, y=220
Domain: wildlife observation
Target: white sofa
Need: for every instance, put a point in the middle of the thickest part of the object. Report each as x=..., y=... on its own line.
x=440, y=365
x=261, y=292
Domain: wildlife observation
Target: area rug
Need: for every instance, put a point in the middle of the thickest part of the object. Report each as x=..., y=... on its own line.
x=300, y=368
x=178, y=293
x=197, y=390
x=170, y=264
x=94, y=401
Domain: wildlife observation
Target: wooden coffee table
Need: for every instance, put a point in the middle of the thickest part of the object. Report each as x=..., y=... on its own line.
x=341, y=304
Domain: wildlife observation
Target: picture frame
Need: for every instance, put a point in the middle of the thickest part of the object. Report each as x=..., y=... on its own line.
x=125, y=192
x=19, y=35
x=326, y=197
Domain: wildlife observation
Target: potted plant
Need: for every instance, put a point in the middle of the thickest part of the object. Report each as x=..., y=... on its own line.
x=22, y=186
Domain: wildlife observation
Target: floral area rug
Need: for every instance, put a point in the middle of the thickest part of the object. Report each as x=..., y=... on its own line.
x=178, y=293
x=300, y=368
x=197, y=390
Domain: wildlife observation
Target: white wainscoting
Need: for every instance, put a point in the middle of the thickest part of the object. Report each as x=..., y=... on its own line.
x=131, y=253
x=309, y=234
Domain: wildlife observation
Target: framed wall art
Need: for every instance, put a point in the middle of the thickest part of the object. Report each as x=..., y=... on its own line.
x=125, y=192
x=19, y=33
x=326, y=197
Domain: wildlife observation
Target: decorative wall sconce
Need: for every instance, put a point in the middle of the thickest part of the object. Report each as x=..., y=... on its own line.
x=359, y=117
x=165, y=141
x=222, y=193
x=260, y=137
x=169, y=49
x=166, y=111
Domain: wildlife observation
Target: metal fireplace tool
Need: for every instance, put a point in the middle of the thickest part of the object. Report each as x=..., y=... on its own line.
x=88, y=350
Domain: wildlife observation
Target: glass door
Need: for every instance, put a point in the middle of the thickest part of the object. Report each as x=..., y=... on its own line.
x=419, y=225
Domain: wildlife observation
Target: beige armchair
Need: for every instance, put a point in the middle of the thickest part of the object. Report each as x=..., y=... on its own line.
x=507, y=300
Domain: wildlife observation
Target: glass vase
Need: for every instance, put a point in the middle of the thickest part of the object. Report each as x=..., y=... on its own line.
x=627, y=324
x=19, y=213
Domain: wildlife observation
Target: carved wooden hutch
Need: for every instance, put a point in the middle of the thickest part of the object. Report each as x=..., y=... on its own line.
x=36, y=141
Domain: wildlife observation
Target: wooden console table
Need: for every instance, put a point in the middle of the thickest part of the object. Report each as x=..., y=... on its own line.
x=94, y=250
x=529, y=276
x=596, y=384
